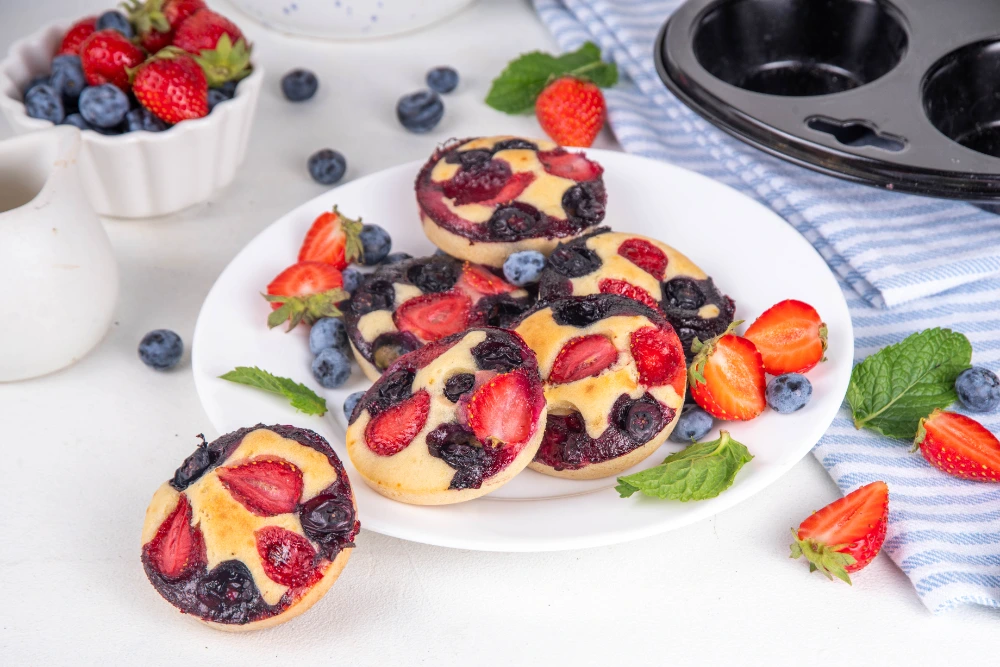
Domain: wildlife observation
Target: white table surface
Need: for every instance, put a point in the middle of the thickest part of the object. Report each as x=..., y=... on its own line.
x=85, y=448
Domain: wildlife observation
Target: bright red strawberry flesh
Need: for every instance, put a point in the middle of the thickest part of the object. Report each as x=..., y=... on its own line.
x=658, y=357
x=265, y=485
x=394, y=429
x=645, y=255
x=960, y=446
x=434, y=316
x=178, y=547
x=582, y=357
x=288, y=558
x=790, y=337
x=506, y=409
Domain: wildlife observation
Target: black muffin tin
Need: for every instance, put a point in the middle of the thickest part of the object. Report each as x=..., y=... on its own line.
x=904, y=96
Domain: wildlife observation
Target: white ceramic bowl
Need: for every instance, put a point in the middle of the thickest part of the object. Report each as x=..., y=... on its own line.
x=349, y=19
x=140, y=174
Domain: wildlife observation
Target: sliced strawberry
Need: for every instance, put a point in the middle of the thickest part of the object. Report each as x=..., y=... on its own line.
x=727, y=378
x=433, y=316
x=76, y=35
x=569, y=165
x=394, y=429
x=583, y=357
x=790, y=337
x=265, y=485
x=481, y=280
x=509, y=192
x=615, y=286
x=645, y=255
x=303, y=279
x=960, y=446
x=659, y=357
x=845, y=535
x=288, y=558
x=178, y=547
x=506, y=409
x=332, y=239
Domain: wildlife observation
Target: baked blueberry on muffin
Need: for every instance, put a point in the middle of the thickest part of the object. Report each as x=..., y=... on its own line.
x=644, y=269
x=401, y=307
x=483, y=199
x=253, y=528
x=614, y=376
x=452, y=421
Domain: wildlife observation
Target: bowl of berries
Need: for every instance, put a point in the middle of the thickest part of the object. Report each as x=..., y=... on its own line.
x=164, y=93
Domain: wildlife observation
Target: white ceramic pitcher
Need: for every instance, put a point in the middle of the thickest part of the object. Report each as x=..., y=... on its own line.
x=58, y=276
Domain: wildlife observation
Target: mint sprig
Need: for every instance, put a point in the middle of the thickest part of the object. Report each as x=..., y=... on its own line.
x=524, y=78
x=893, y=389
x=300, y=396
x=702, y=471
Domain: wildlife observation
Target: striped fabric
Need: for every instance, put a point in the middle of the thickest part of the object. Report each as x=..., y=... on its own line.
x=905, y=263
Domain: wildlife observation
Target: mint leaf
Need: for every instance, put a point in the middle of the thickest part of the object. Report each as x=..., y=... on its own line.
x=893, y=389
x=300, y=396
x=703, y=470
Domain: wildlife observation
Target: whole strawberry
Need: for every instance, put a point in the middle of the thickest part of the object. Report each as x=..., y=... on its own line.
x=107, y=56
x=571, y=111
x=76, y=35
x=155, y=20
x=172, y=86
x=201, y=31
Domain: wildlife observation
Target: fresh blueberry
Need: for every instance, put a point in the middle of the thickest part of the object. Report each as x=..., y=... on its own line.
x=44, y=102
x=104, y=105
x=227, y=88
x=396, y=258
x=352, y=278
x=420, y=111
x=327, y=166
x=76, y=120
x=35, y=81
x=142, y=119
x=161, y=349
x=331, y=367
x=789, y=392
x=523, y=268
x=328, y=332
x=215, y=96
x=351, y=401
x=375, y=244
x=115, y=20
x=978, y=389
x=442, y=79
x=693, y=424
x=299, y=85
x=67, y=76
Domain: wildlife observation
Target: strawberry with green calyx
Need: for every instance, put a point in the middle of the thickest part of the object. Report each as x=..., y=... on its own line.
x=171, y=85
x=202, y=31
x=332, y=239
x=226, y=62
x=155, y=20
x=305, y=292
x=727, y=376
x=959, y=446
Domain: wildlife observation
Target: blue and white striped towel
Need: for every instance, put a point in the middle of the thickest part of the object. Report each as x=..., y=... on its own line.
x=905, y=263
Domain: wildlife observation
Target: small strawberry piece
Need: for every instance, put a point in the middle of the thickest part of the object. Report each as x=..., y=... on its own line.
x=727, y=377
x=845, y=535
x=571, y=111
x=960, y=446
x=332, y=239
x=265, y=485
x=172, y=86
x=480, y=280
x=178, y=547
x=659, y=357
x=569, y=165
x=394, y=429
x=790, y=337
x=433, y=316
x=288, y=558
x=583, y=357
x=477, y=182
x=106, y=57
x=76, y=35
x=624, y=288
x=305, y=278
x=505, y=409
x=201, y=31
x=645, y=255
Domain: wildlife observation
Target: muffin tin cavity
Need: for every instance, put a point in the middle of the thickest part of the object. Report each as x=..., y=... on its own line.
x=962, y=97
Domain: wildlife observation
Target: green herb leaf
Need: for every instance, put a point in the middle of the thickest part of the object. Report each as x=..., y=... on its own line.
x=893, y=389
x=703, y=470
x=300, y=396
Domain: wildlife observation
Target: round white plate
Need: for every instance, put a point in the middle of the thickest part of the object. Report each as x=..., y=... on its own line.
x=754, y=256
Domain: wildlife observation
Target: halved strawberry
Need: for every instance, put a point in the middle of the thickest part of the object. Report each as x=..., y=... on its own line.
x=332, y=239
x=790, y=337
x=178, y=547
x=265, y=485
x=583, y=357
x=624, y=288
x=394, y=429
x=75, y=36
x=505, y=409
x=727, y=377
x=659, y=357
x=433, y=316
x=288, y=558
x=305, y=292
x=845, y=535
x=960, y=446
x=481, y=280
x=645, y=255
x=569, y=165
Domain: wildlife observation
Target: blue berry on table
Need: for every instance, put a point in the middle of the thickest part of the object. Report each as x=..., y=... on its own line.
x=299, y=85
x=350, y=402
x=142, y=119
x=420, y=111
x=44, y=102
x=693, y=424
x=161, y=349
x=978, y=389
x=396, y=258
x=789, y=392
x=115, y=20
x=67, y=76
x=331, y=367
x=103, y=106
x=442, y=79
x=352, y=278
x=375, y=244
x=76, y=120
x=328, y=332
x=215, y=96
x=327, y=166
x=524, y=267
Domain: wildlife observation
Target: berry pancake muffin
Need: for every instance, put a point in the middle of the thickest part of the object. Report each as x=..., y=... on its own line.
x=452, y=421
x=483, y=199
x=253, y=528
x=614, y=379
x=403, y=306
x=644, y=269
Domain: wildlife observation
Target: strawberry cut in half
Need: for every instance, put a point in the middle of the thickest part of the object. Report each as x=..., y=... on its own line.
x=505, y=409
x=627, y=289
x=574, y=166
x=790, y=337
x=265, y=485
x=845, y=535
x=288, y=558
x=305, y=292
x=393, y=430
x=646, y=256
x=433, y=316
x=659, y=357
x=583, y=357
x=960, y=446
x=727, y=377
x=481, y=280
x=332, y=239
x=178, y=548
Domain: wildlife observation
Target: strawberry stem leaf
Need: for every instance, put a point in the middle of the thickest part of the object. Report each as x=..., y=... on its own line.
x=308, y=308
x=827, y=559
